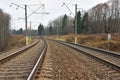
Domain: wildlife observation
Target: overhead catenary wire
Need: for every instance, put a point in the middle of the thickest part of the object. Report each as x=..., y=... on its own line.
x=36, y=10
x=68, y=8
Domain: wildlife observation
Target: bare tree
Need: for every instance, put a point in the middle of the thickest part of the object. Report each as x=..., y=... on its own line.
x=4, y=29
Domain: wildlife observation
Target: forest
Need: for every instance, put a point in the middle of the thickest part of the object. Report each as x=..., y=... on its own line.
x=103, y=18
x=4, y=29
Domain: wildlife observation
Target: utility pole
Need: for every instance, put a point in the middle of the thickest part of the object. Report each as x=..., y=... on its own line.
x=30, y=33
x=26, y=16
x=75, y=39
x=25, y=8
x=26, y=25
x=75, y=23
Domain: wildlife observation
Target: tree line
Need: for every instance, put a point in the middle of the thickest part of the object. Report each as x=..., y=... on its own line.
x=4, y=29
x=21, y=31
x=102, y=18
x=105, y=17
x=61, y=25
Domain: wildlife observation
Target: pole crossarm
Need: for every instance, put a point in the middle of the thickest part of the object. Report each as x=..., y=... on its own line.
x=26, y=16
x=76, y=8
x=36, y=10
x=17, y=6
x=42, y=13
x=67, y=8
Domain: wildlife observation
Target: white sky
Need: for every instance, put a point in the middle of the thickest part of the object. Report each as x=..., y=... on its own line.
x=51, y=6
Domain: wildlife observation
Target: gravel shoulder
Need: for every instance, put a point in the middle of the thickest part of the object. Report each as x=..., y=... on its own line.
x=64, y=63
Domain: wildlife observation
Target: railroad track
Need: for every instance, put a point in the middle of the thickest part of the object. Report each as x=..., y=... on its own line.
x=66, y=63
x=22, y=64
x=110, y=60
x=86, y=63
x=38, y=64
x=8, y=56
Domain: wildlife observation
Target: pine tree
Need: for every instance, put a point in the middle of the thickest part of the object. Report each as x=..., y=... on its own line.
x=40, y=29
x=64, y=24
x=85, y=23
x=20, y=31
x=50, y=29
x=79, y=22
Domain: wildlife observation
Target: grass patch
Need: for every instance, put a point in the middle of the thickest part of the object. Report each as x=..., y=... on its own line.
x=15, y=41
x=60, y=39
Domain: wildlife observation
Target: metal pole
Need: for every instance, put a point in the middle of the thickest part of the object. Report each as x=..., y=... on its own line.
x=30, y=27
x=25, y=8
x=30, y=32
x=75, y=23
x=26, y=25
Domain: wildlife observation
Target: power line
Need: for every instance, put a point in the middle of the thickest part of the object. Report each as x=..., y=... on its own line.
x=17, y=6
x=67, y=8
x=36, y=10
x=26, y=17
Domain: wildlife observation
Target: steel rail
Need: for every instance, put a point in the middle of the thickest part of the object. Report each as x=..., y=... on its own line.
x=109, y=53
x=116, y=54
x=39, y=62
x=18, y=52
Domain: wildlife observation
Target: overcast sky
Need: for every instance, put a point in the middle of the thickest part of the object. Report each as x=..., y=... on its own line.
x=51, y=6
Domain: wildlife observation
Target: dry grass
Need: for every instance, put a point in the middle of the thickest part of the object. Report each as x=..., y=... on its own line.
x=99, y=40
x=15, y=41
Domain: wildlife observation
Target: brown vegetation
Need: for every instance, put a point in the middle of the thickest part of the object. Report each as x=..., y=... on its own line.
x=99, y=41
x=4, y=29
x=15, y=41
